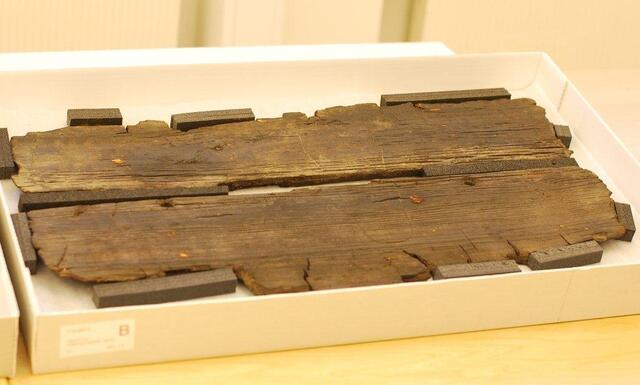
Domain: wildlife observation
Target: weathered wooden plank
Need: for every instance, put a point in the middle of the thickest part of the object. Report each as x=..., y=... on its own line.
x=580, y=254
x=458, y=96
x=462, y=270
x=23, y=233
x=94, y=117
x=484, y=166
x=337, y=144
x=563, y=133
x=383, y=232
x=625, y=216
x=7, y=166
x=36, y=201
x=178, y=287
x=190, y=120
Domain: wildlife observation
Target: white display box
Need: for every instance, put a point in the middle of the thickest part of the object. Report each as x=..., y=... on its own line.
x=9, y=315
x=64, y=331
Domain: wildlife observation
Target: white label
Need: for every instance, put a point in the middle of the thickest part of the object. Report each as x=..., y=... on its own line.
x=97, y=337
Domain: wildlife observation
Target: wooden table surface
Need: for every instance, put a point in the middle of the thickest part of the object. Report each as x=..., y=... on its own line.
x=585, y=352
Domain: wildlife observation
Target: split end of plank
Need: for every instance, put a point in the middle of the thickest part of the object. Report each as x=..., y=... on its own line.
x=7, y=165
x=170, y=288
x=579, y=254
x=563, y=133
x=94, y=117
x=475, y=269
x=148, y=126
x=495, y=166
x=458, y=96
x=191, y=120
x=23, y=233
x=37, y=201
x=625, y=216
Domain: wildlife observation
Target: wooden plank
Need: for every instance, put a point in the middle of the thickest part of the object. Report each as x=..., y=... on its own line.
x=7, y=166
x=495, y=165
x=94, y=117
x=178, y=287
x=458, y=96
x=336, y=145
x=475, y=269
x=387, y=231
x=563, y=133
x=190, y=120
x=625, y=216
x=36, y=201
x=580, y=254
x=23, y=233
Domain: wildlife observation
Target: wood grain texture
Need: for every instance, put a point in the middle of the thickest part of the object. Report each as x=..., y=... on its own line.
x=387, y=231
x=484, y=166
x=36, y=201
x=337, y=144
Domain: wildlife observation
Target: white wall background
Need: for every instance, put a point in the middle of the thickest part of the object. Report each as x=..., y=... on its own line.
x=46, y=25
x=577, y=33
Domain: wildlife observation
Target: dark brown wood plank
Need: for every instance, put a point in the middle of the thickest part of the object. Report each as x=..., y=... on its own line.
x=475, y=269
x=178, y=287
x=625, y=216
x=36, y=201
x=7, y=166
x=458, y=96
x=387, y=231
x=564, y=134
x=94, y=117
x=580, y=254
x=337, y=144
x=23, y=233
x=190, y=120
x=484, y=166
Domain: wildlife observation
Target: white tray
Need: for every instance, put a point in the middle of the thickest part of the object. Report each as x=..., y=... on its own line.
x=64, y=331
x=8, y=323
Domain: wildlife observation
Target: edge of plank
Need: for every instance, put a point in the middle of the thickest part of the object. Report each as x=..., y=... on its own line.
x=563, y=133
x=579, y=254
x=457, y=96
x=625, y=216
x=23, y=233
x=94, y=117
x=44, y=200
x=170, y=288
x=475, y=269
x=191, y=120
x=7, y=165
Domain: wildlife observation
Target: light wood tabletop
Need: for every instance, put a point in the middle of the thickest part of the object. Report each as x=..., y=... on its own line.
x=584, y=352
